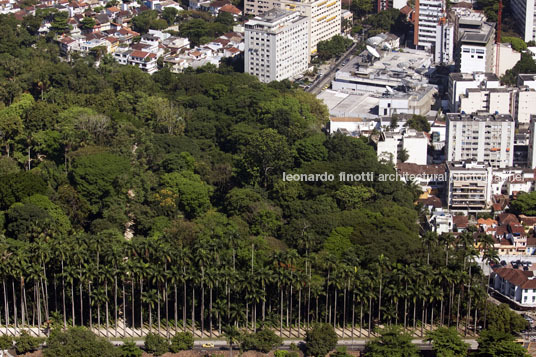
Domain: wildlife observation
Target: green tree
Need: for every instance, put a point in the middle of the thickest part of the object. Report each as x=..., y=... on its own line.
x=88, y=23
x=129, y=349
x=320, y=340
x=517, y=43
x=419, y=123
x=502, y=318
x=98, y=176
x=6, y=342
x=447, y=342
x=525, y=203
x=492, y=343
x=26, y=343
x=156, y=344
x=194, y=194
x=392, y=342
x=170, y=15
x=333, y=47
x=182, y=341
x=264, y=341
x=78, y=342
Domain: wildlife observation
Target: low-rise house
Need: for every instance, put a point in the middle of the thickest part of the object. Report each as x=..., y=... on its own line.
x=519, y=286
x=460, y=223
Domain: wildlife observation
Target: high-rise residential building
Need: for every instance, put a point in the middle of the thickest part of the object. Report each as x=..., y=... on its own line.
x=524, y=12
x=524, y=104
x=487, y=101
x=532, y=142
x=484, y=138
x=469, y=185
x=276, y=45
x=459, y=83
x=444, y=45
x=427, y=15
x=477, y=50
x=324, y=16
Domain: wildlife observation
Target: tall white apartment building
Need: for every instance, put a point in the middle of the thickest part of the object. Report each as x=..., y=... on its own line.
x=488, y=101
x=525, y=105
x=427, y=15
x=477, y=49
x=532, y=142
x=484, y=138
x=524, y=12
x=324, y=15
x=444, y=45
x=276, y=45
x=459, y=83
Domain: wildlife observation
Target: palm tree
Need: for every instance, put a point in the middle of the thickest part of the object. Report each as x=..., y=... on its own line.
x=231, y=334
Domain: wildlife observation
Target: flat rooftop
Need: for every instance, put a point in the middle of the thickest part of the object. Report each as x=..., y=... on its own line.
x=469, y=77
x=393, y=68
x=350, y=105
x=479, y=117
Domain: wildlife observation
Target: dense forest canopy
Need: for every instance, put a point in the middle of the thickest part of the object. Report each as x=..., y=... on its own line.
x=162, y=197
x=114, y=146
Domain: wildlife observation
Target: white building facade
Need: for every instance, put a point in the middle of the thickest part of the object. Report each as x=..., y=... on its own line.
x=427, y=15
x=324, y=16
x=276, y=45
x=524, y=12
x=484, y=138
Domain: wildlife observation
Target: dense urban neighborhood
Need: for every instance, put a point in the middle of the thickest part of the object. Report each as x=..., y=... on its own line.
x=268, y=177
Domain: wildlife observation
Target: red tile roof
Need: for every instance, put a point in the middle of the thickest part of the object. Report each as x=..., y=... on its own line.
x=231, y=9
x=460, y=221
x=506, y=218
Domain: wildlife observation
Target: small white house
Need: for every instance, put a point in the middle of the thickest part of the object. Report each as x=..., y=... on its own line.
x=515, y=284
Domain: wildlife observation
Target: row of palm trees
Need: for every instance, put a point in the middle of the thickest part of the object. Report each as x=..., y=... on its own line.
x=219, y=279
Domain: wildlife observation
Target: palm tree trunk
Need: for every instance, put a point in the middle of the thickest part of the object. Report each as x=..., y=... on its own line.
x=335, y=309
x=124, y=308
x=63, y=297
x=299, y=312
x=184, y=307
x=106, y=306
x=281, y=314
x=14, y=304
x=175, y=307
x=210, y=311
x=72, y=302
x=370, y=316
x=141, y=307
x=159, y=308
x=344, y=313
x=193, y=311
x=115, y=307
x=90, y=306
x=6, y=305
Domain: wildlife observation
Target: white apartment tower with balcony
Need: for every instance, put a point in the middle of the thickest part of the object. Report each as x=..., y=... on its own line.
x=276, y=45
x=483, y=138
x=428, y=14
x=324, y=15
x=524, y=12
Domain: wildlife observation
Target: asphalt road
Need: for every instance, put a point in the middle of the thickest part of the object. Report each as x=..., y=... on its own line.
x=355, y=345
x=317, y=86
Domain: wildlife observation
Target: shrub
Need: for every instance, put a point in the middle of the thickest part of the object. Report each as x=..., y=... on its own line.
x=320, y=340
x=281, y=353
x=129, y=349
x=78, y=342
x=26, y=343
x=264, y=341
x=182, y=341
x=156, y=344
x=6, y=342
